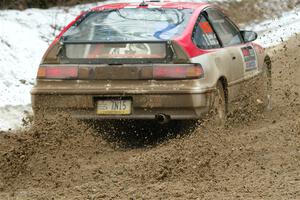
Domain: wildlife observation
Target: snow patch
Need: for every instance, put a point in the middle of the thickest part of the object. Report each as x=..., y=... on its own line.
x=11, y=116
x=275, y=31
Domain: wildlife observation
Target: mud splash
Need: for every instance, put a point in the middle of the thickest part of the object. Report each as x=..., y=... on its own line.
x=47, y=152
x=257, y=157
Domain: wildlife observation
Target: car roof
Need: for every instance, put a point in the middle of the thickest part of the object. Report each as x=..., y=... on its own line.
x=152, y=4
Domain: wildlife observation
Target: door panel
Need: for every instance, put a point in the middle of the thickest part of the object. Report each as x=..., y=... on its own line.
x=232, y=43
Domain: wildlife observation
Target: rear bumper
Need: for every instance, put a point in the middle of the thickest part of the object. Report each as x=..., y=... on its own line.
x=145, y=105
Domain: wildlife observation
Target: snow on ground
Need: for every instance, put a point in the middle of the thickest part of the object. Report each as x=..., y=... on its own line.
x=275, y=31
x=11, y=116
x=25, y=35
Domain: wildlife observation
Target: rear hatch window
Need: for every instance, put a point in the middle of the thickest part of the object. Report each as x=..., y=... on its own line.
x=124, y=34
x=116, y=50
x=130, y=24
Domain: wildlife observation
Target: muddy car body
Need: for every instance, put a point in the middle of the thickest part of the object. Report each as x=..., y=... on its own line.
x=147, y=61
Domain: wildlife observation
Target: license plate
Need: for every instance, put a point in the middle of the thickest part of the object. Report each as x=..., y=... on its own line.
x=114, y=107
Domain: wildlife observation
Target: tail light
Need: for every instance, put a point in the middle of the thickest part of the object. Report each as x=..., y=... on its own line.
x=57, y=72
x=181, y=71
x=154, y=72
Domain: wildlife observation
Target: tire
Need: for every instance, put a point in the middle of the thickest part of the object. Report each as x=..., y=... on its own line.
x=218, y=110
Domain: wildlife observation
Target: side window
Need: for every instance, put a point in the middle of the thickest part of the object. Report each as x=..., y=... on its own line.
x=228, y=33
x=203, y=35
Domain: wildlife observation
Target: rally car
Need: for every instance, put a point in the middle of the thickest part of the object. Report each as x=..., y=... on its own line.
x=151, y=60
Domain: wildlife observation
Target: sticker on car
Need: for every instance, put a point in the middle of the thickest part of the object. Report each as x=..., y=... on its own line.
x=249, y=58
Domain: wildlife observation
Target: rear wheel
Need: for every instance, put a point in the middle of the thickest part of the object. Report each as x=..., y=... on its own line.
x=219, y=109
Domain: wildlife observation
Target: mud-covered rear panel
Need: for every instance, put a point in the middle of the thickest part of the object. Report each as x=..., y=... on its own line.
x=140, y=99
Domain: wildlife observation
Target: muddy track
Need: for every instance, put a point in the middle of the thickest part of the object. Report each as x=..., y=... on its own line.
x=256, y=157
x=253, y=159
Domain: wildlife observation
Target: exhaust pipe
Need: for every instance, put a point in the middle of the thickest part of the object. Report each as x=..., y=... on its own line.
x=162, y=118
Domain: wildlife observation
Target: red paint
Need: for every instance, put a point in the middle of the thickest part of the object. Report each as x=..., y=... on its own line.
x=111, y=6
x=165, y=4
x=185, y=40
